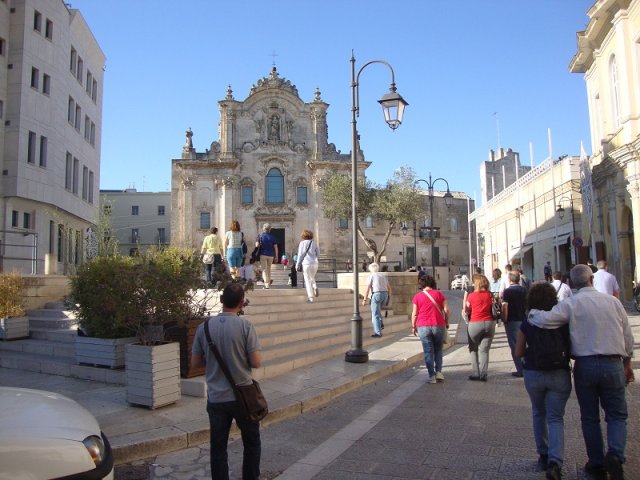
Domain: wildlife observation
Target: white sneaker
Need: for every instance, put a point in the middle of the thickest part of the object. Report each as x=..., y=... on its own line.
x=439, y=377
x=432, y=379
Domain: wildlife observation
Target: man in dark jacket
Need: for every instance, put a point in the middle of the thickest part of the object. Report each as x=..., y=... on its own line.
x=514, y=304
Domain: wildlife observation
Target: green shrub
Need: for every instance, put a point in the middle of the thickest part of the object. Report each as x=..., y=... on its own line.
x=11, y=295
x=119, y=297
x=104, y=292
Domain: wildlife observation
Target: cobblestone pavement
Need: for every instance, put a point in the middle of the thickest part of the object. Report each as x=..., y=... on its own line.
x=402, y=428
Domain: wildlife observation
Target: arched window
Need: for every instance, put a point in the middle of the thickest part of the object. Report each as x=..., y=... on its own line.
x=274, y=187
x=615, y=94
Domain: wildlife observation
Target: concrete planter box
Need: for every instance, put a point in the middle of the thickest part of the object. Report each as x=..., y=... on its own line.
x=14, y=328
x=153, y=374
x=103, y=352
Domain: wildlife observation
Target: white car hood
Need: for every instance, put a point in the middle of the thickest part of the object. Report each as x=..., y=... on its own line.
x=45, y=414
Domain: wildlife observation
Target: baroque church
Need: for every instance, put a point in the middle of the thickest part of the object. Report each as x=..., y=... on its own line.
x=267, y=166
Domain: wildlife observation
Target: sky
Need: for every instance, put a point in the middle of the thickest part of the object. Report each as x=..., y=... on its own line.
x=478, y=74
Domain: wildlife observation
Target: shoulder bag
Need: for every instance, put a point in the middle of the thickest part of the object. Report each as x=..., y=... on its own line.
x=299, y=268
x=447, y=339
x=250, y=397
x=496, y=308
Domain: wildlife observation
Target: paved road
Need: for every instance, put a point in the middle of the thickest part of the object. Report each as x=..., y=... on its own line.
x=402, y=428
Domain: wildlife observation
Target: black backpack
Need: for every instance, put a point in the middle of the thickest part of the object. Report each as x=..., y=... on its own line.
x=551, y=347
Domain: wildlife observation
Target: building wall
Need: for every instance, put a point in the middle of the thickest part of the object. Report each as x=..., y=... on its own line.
x=521, y=225
x=139, y=220
x=272, y=130
x=36, y=86
x=608, y=55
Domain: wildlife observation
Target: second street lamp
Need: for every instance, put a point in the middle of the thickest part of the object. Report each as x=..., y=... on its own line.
x=560, y=211
x=448, y=200
x=393, y=106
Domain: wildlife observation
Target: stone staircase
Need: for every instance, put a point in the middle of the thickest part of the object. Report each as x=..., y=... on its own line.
x=292, y=332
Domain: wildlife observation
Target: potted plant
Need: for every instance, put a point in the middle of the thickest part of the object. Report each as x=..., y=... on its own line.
x=167, y=282
x=13, y=322
x=102, y=294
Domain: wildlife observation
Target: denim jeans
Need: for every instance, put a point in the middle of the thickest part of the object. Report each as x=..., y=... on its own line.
x=480, y=337
x=220, y=416
x=600, y=382
x=210, y=268
x=234, y=257
x=432, y=338
x=378, y=299
x=548, y=391
x=512, y=328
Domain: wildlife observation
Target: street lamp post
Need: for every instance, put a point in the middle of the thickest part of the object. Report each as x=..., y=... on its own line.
x=448, y=200
x=393, y=106
x=560, y=211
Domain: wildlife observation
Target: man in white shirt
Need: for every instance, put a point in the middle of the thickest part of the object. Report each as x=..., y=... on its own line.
x=562, y=289
x=504, y=282
x=604, y=282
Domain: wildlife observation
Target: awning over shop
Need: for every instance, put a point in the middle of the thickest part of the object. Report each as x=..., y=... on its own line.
x=525, y=249
x=561, y=240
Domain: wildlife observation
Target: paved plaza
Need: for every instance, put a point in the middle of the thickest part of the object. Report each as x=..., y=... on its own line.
x=402, y=428
x=347, y=421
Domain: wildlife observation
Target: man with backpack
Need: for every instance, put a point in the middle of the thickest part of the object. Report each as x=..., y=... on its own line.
x=514, y=304
x=266, y=242
x=602, y=346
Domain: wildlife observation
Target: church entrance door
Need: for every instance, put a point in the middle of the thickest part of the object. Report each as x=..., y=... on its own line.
x=280, y=238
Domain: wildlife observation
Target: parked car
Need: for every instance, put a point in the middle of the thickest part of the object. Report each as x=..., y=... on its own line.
x=456, y=283
x=47, y=435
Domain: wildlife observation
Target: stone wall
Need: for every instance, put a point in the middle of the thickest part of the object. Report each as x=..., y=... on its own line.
x=404, y=285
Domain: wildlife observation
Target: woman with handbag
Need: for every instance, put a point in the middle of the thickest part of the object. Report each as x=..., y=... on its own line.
x=481, y=328
x=233, y=243
x=308, y=253
x=430, y=321
x=211, y=252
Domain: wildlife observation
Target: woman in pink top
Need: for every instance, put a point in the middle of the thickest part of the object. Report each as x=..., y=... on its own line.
x=430, y=321
x=481, y=328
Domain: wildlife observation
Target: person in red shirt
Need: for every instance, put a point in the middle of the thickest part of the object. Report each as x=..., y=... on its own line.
x=430, y=321
x=481, y=326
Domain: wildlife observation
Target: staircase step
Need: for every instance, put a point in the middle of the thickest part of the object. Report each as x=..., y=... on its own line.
x=50, y=313
x=278, y=366
x=40, y=347
x=59, y=323
x=60, y=366
x=54, y=334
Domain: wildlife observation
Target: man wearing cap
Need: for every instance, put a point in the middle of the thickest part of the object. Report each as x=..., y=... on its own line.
x=268, y=251
x=602, y=345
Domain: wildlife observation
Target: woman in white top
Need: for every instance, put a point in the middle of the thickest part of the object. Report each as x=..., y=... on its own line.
x=308, y=253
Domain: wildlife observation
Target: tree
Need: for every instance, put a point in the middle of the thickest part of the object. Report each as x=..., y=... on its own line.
x=397, y=201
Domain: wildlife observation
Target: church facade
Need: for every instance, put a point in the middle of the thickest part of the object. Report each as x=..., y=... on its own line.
x=266, y=166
